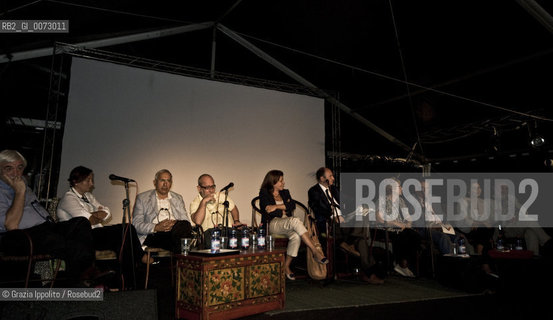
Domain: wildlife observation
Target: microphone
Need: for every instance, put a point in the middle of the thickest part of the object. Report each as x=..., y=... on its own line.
x=230, y=185
x=114, y=177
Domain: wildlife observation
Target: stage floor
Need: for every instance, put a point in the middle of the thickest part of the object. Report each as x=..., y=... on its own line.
x=398, y=298
x=404, y=298
x=302, y=295
x=517, y=295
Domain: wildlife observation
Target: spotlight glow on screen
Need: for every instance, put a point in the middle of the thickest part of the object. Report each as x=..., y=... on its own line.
x=133, y=122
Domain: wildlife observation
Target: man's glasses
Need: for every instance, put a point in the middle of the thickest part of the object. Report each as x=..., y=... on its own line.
x=208, y=187
x=40, y=210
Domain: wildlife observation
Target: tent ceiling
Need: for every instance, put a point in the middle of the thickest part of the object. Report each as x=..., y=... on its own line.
x=473, y=67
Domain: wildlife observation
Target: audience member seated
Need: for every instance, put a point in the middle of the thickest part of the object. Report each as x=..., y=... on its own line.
x=159, y=215
x=533, y=234
x=373, y=272
x=442, y=233
x=277, y=209
x=396, y=217
x=69, y=240
x=79, y=202
x=477, y=228
x=478, y=215
x=208, y=208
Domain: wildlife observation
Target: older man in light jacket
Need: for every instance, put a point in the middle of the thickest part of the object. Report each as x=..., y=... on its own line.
x=160, y=216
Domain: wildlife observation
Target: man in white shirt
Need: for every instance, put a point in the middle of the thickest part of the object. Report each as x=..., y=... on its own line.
x=159, y=215
x=80, y=202
x=208, y=208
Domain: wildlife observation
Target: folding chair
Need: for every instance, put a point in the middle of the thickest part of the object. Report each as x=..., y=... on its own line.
x=31, y=258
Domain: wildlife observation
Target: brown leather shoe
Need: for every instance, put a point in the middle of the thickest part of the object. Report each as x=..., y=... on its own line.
x=373, y=279
x=94, y=274
x=350, y=248
x=145, y=259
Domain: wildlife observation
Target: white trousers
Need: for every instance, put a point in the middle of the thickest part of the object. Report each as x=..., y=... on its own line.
x=292, y=228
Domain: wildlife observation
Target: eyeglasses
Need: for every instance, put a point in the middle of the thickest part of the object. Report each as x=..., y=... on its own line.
x=41, y=211
x=208, y=187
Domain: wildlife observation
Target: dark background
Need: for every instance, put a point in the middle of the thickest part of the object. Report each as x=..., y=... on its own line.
x=467, y=82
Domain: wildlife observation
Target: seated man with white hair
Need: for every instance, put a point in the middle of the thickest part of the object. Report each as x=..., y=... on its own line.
x=20, y=210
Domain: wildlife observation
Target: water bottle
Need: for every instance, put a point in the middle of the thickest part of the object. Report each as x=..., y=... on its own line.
x=233, y=241
x=216, y=240
x=462, y=247
x=245, y=243
x=518, y=244
x=500, y=246
x=261, y=243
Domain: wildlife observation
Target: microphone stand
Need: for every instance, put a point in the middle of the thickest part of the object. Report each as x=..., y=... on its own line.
x=225, y=215
x=335, y=224
x=335, y=221
x=127, y=220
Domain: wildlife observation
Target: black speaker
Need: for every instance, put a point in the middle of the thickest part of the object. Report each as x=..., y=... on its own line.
x=461, y=273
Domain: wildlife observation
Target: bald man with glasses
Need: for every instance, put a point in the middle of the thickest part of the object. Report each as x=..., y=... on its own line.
x=208, y=208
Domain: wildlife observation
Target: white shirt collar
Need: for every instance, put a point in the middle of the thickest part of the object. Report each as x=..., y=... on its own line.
x=77, y=192
x=168, y=196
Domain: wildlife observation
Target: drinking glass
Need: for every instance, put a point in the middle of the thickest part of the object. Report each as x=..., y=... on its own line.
x=185, y=245
x=270, y=242
x=224, y=242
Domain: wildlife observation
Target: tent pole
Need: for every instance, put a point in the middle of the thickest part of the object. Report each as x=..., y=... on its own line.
x=260, y=53
x=538, y=13
x=213, y=51
x=42, y=52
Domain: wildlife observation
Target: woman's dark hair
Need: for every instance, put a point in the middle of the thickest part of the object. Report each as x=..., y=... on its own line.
x=271, y=178
x=78, y=174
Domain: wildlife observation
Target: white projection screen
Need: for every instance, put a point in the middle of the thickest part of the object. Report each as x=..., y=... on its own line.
x=133, y=122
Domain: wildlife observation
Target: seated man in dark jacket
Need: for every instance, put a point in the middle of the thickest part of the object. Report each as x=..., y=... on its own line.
x=324, y=200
